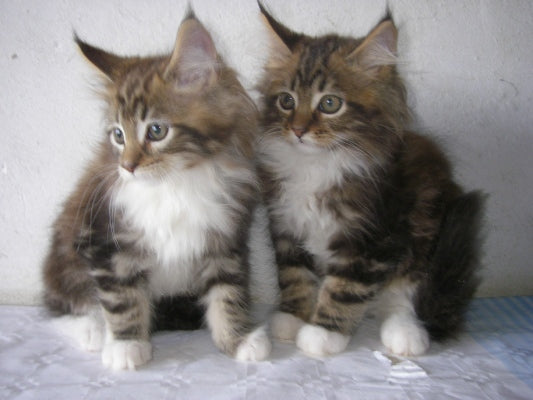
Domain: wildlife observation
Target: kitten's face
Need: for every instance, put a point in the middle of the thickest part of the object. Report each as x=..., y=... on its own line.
x=309, y=103
x=169, y=114
x=158, y=129
x=326, y=93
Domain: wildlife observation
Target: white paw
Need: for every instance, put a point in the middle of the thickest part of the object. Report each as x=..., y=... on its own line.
x=318, y=341
x=126, y=354
x=255, y=346
x=86, y=330
x=403, y=335
x=285, y=326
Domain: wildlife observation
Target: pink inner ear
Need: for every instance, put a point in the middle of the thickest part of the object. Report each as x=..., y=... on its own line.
x=195, y=57
x=198, y=40
x=379, y=47
x=386, y=37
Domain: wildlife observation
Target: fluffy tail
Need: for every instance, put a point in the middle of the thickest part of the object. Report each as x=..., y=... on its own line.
x=443, y=298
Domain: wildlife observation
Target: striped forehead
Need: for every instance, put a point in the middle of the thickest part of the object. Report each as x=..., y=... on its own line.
x=313, y=64
x=131, y=99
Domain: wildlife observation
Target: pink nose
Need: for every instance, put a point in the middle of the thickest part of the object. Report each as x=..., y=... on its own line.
x=128, y=166
x=298, y=131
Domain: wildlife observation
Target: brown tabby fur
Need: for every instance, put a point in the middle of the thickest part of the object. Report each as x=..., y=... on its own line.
x=387, y=211
x=102, y=254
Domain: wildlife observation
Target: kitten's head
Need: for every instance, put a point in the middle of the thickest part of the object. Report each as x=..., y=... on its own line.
x=170, y=113
x=327, y=93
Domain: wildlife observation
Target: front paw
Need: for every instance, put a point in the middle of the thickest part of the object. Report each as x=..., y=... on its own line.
x=126, y=354
x=87, y=330
x=404, y=336
x=285, y=326
x=255, y=346
x=318, y=341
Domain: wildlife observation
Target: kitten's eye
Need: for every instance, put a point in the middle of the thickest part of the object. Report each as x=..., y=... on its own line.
x=330, y=104
x=156, y=132
x=118, y=135
x=286, y=101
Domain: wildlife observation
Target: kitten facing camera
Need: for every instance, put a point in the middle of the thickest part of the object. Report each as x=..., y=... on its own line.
x=154, y=235
x=362, y=211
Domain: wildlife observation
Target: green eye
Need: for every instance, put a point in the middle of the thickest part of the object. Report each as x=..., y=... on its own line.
x=118, y=135
x=286, y=101
x=330, y=104
x=156, y=132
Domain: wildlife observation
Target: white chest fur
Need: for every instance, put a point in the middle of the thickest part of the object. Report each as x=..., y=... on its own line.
x=173, y=218
x=306, y=180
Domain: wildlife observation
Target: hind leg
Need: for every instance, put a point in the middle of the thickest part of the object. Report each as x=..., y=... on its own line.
x=401, y=330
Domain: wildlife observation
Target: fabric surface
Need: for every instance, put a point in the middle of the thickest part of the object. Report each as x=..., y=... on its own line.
x=493, y=359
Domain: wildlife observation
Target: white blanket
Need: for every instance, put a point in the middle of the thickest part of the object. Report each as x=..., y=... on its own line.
x=486, y=362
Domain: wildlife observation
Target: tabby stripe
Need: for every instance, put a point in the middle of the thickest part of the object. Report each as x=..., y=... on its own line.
x=293, y=305
x=235, y=304
x=329, y=326
x=226, y=279
x=350, y=298
x=310, y=62
x=192, y=132
x=314, y=77
x=290, y=282
x=131, y=89
x=300, y=260
x=196, y=137
x=105, y=283
x=130, y=332
x=357, y=273
x=121, y=101
x=322, y=84
x=362, y=111
x=109, y=283
x=325, y=316
x=115, y=308
x=139, y=103
x=298, y=79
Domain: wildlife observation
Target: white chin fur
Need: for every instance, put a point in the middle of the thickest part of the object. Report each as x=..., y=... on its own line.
x=403, y=335
x=285, y=326
x=255, y=347
x=318, y=341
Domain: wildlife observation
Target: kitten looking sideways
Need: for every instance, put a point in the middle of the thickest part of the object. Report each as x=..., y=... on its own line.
x=154, y=234
x=362, y=211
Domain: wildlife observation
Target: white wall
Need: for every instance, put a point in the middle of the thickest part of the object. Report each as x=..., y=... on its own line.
x=468, y=65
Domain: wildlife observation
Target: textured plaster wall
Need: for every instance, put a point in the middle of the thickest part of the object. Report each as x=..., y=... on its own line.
x=468, y=66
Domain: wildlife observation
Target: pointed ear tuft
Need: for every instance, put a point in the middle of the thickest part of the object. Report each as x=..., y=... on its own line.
x=378, y=48
x=194, y=61
x=289, y=38
x=283, y=41
x=109, y=64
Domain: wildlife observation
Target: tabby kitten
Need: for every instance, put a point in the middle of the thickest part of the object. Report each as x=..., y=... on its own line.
x=154, y=236
x=361, y=210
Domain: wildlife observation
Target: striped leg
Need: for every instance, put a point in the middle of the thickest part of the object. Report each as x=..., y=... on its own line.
x=122, y=291
x=341, y=305
x=227, y=305
x=343, y=299
x=298, y=287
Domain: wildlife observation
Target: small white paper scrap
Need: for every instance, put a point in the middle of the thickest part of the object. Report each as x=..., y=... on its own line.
x=400, y=370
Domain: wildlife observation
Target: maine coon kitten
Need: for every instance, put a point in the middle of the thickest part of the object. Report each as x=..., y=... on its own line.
x=360, y=208
x=154, y=236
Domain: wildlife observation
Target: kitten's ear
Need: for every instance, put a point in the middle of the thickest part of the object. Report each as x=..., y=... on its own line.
x=378, y=48
x=194, y=61
x=283, y=39
x=109, y=64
